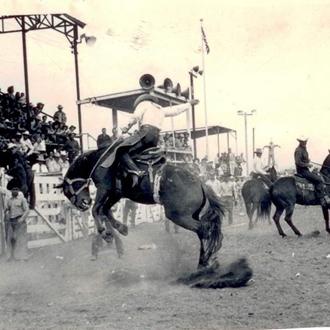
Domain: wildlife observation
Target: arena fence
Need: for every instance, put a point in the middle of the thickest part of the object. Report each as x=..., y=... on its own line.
x=54, y=220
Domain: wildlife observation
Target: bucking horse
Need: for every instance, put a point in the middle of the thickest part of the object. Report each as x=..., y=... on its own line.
x=186, y=200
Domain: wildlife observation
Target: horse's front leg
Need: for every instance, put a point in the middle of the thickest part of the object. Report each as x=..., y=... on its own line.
x=97, y=211
x=112, y=200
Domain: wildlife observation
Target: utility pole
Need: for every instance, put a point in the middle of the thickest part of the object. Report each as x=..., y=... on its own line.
x=246, y=114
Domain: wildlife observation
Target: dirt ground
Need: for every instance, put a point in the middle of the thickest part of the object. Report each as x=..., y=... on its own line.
x=60, y=288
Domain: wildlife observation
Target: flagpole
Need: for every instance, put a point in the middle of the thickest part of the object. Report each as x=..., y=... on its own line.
x=204, y=88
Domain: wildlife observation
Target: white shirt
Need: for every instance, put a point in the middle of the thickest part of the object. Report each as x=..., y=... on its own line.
x=150, y=113
x=27, y=146
x=227, y=189
x=258, y=165
x=215, y=185
x=40, y=168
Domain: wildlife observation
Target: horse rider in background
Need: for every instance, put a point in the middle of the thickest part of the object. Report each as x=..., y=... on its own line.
x=303, y=164
x=259, y=169
x=150, y=117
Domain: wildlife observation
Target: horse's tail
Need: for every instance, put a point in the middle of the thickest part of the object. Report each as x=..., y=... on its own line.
x=265, y=206
x=211, y=216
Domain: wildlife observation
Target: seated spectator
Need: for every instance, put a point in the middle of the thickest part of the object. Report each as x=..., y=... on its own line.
x=40, y=166
x=26, y=144
x=39, y=145
x=64, y=162
x=52, y=163
x=72, y=147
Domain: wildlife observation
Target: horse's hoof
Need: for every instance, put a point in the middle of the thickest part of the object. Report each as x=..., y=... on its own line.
x=123, y=229
x=328, y=231
x=250, y=227
x=283, y=235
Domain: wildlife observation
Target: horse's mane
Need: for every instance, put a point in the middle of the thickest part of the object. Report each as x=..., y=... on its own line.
x=83, y=164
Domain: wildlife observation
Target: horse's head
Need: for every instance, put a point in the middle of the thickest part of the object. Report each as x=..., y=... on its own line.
x=272, y=173
x=76, y=184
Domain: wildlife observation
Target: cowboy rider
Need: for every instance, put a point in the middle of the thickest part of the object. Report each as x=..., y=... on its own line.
x=150, y=116
x=259, y=169
x=303, y=164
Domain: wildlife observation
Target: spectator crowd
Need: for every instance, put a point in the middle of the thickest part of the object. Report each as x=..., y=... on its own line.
x=44, y=140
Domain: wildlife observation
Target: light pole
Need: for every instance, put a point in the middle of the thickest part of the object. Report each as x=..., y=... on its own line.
x=193, y=74
x=246, y=114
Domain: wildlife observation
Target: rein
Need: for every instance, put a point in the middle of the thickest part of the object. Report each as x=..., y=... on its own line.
x=320, y=165
x=87, y=181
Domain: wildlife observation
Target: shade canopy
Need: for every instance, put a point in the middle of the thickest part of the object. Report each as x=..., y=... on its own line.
x=201, y=131
x=124, y=101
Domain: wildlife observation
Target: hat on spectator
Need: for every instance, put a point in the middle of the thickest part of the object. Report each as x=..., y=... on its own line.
x=258, y=151
x=26, y=133
x=41, y=158
x=56, y=154
x=15, y=189
x=7, y=121
x=60, y=106
x=302, y=138
x=63, y=153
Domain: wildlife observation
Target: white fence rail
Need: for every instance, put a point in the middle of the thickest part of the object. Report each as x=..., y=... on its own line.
x=54, y=220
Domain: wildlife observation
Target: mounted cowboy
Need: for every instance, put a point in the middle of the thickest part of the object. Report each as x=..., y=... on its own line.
x=303, y=164
x=259, y=168
x=150, y=117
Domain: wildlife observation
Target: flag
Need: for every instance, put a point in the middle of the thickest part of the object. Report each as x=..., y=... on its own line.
x=205, y=41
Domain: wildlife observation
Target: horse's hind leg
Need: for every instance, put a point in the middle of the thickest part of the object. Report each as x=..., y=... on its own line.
x=276, y=218
x=288, y=218
x=249, y=213
x=326, y=218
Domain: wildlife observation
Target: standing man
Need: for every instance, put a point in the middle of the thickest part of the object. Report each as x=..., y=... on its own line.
x=303, y=164
x=271, y=153
x=103, y=140
x=59, y=115
x=16, y=212
x=214, y=183
x=129, y=208
x=228, y=196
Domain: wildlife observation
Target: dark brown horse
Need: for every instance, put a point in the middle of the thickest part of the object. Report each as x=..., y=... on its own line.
x=256, y=196
x=291, y=190
x=186, y=200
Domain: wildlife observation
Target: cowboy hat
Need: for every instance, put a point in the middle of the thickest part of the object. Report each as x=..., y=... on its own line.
x=145, y=97
x=26, y=133
x=41, y=158
x=258, y=151
x=302, y=138
x=60, y=106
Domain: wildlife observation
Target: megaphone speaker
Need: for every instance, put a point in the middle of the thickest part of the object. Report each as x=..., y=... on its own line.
x=147, y=81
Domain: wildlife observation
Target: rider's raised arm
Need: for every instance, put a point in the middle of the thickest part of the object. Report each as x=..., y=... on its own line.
x=172, y=111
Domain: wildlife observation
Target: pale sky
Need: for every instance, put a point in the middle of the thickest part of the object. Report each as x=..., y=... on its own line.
x=272, y=56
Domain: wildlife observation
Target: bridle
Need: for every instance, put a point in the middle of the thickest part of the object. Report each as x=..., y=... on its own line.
x=71, y=189
x=87, y=181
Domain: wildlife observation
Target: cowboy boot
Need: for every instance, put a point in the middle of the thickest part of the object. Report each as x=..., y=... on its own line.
x=131, y=168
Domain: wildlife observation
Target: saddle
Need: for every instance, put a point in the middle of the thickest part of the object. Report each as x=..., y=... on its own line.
x=303, y=183
x=151, y=156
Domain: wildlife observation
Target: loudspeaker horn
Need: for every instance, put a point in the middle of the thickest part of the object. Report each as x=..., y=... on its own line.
x=147, y=81
x=167, y=85
x=177, y=90
x=185, y=93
